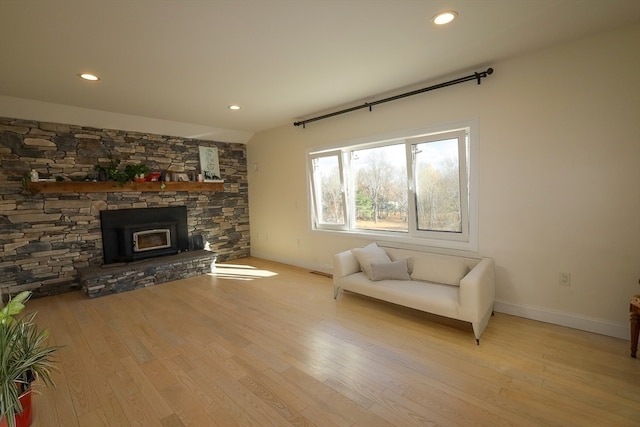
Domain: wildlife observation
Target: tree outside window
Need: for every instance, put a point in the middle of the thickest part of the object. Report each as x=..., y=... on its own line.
x=381, y=185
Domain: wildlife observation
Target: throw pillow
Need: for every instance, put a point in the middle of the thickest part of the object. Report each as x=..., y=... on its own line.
x=410, y=261
x=370, y=253
x=394, y=270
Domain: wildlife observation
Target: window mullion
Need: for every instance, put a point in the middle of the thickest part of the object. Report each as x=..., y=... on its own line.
x=464, y=184
x=349, y=190
x=344, y=190
x=411, y=188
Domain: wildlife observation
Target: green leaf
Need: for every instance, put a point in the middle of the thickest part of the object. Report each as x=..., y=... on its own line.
x=14, y=307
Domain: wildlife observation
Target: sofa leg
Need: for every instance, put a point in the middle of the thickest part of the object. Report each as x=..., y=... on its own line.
x=477, y=341
x=336, y=289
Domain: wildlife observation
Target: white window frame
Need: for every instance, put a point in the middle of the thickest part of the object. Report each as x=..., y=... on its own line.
x=467, y=240
x=462, y=136
x=315, y=196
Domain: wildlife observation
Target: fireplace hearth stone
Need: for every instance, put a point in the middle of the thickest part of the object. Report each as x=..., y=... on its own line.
x=114, y=278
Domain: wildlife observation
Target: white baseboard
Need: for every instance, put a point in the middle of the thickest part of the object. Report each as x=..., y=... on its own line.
x=294, y=262
x=570, y=320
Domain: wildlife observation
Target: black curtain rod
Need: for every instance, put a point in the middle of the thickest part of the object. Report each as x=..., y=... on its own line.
x=369, y=105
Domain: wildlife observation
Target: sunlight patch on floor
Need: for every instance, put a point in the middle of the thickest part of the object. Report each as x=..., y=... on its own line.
x=239, y=272
x=327, y=347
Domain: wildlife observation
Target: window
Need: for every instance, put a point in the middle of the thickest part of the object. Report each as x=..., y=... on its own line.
x=328, y=194
x=418, y=189
x=379, y=177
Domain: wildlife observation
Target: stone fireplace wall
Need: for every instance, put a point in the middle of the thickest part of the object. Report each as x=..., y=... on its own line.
x=45, y=238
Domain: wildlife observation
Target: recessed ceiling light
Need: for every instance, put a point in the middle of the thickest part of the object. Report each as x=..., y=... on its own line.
x=444, y=17
x=234, y=107
x=87, y=76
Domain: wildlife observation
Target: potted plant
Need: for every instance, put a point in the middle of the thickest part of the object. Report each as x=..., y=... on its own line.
x=136, y=172
x=24, y=357
x=111, y=172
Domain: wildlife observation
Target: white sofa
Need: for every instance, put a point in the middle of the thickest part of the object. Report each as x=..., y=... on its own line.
x=451, y=286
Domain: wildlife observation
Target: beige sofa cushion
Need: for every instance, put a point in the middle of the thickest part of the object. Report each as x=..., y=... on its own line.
x=439, y=269
x=371, y=253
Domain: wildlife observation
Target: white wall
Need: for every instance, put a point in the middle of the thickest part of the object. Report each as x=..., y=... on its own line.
x=28, y=109
x=559, y=152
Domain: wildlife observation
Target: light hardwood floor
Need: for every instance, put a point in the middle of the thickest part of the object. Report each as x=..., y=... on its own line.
x=265, y=344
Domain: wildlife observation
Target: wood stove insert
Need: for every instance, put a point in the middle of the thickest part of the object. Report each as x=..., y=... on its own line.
x=134, y=234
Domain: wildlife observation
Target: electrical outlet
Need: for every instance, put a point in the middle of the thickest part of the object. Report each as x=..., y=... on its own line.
x=565, y=279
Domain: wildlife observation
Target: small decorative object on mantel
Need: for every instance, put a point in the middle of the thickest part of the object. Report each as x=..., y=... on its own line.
x=152, y=177
x=209, y=164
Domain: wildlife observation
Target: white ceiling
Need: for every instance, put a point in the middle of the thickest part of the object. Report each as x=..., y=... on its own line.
x=281, y=60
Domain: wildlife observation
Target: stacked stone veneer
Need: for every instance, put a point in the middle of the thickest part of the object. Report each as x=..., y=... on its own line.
x=46, y=238
x=97, y=281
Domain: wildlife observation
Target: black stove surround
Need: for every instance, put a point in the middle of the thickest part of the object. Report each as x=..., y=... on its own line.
x=134, y=234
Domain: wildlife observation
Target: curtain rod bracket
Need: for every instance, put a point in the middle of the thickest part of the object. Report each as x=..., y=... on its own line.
x=478, y=76
x=487, y=73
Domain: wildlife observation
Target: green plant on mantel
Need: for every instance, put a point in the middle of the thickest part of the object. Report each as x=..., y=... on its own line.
x=135, y=171
x=24, y=356
x=112, y=172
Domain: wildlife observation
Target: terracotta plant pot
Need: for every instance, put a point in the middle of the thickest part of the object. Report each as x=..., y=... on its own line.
x=23, y=419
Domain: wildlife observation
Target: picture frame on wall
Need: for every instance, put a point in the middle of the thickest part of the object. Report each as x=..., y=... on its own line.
x=209, y=164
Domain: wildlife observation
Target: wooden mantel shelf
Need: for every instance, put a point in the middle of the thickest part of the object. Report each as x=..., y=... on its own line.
x=115, y=187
